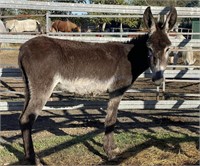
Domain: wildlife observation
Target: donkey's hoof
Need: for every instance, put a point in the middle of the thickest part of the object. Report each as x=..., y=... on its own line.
x=116, y=150
x=34, y=161
x=113, y=153
x=38, y=162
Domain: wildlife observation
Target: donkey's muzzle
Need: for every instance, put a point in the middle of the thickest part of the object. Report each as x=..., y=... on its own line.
x=158, y=78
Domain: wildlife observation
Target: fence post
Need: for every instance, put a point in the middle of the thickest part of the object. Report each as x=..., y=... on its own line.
x=163, y=90
x=157, y=93
x=48, y=22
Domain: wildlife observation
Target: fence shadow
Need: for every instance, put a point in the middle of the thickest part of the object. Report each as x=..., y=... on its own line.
x=137, y=119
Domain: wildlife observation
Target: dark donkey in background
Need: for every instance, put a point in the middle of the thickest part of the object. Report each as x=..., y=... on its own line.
x=85, y=68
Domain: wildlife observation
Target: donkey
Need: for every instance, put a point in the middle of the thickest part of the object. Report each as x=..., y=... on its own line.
x=86, y=68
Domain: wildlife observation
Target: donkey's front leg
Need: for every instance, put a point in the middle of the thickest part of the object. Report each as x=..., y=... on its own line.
x=109, y=144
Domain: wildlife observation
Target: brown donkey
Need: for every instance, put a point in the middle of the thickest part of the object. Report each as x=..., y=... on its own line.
x=85, y=68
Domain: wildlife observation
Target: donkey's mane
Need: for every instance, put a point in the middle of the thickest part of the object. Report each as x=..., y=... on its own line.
x=138, y=40
x=141, y=38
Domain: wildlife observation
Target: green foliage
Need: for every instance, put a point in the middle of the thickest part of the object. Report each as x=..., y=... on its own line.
x=131, y=22
x=116, y=2
x=176, y=3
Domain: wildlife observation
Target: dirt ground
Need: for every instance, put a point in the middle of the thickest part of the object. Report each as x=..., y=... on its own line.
x=178, y=129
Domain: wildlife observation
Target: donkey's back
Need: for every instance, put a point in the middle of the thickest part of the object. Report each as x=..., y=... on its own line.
x=76, y=66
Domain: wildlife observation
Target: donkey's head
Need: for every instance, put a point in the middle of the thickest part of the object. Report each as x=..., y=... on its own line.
x=158, y=42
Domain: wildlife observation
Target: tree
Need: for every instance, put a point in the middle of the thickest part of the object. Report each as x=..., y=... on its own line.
x=131, y=22
x=176, y=3
x=79, y=21
x=71, y=1
x=65, y=12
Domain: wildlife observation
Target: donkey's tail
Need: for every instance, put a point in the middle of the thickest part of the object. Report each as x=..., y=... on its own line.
x=24, y=76
x=39, y=28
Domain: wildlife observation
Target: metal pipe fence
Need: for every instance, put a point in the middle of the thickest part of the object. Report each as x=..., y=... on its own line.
x=100, y=8
x=111, y=11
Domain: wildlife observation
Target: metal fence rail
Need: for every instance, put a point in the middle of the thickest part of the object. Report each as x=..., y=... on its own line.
x=111, y=10
x=6, y=38
x=175, y=74
x=127, y=104
x=120, y=10
x=124, y=104
x=123, y=9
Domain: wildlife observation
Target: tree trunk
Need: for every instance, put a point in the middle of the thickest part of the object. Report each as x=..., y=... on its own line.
x=103, y=27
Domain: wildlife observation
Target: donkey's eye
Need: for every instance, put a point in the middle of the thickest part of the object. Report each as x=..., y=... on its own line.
x=167, y=49
x=150, y=49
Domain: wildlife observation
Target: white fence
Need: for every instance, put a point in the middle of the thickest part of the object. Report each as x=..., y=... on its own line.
x=119, y=9
x=150, y=104
x=6, y=38
x=125, y=11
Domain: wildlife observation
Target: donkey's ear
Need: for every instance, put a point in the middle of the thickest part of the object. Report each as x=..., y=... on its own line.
x=149, y=20
x=171, y=20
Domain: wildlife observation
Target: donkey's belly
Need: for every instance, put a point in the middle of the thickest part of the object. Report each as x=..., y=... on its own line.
x=85, y=86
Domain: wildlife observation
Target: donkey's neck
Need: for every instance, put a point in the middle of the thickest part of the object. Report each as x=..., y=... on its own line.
x=138, y=56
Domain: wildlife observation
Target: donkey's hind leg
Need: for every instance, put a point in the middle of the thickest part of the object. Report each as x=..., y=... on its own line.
x=38, y=96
